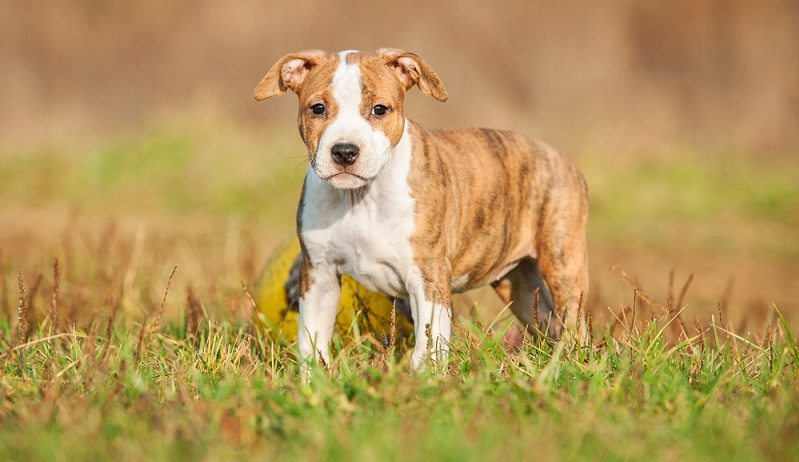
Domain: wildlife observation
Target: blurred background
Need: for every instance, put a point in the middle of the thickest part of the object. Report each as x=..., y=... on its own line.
x=128, y=133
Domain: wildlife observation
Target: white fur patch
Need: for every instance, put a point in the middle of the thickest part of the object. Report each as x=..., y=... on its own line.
x=459, y=283
x=359, y=220
x=315, y=329
x=366, y=232
x=350, y=126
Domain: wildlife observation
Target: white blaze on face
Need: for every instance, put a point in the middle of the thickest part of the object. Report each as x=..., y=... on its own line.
x=350, y=126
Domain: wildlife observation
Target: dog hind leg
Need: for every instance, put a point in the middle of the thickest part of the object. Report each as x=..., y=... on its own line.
x=518, y=288
x=563, y=262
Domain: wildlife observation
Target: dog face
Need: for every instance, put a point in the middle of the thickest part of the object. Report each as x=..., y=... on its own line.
x=350, y=107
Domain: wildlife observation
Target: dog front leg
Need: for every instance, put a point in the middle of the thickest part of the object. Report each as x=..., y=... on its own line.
x=320, y=293
x=432, y=322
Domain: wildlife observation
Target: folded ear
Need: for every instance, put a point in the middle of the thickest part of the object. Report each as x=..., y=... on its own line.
x=288, y=73
x=412, y=70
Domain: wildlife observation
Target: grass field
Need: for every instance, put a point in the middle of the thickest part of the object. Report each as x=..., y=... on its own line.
x=211, y=387
x=131, y=151
x=694, y=369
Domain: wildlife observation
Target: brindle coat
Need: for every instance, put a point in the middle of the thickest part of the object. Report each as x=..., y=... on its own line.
x=488, y=206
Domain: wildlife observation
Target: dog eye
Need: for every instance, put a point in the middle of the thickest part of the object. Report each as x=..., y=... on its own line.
x=318, y=109
x=379, y=110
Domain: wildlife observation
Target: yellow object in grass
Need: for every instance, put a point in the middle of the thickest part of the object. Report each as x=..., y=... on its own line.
x=360, y=311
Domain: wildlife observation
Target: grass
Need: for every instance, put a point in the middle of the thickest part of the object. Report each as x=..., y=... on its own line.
x=705, y=197
x=98, y=362
x=108, y=365
x=208, y=385
x=180, y=168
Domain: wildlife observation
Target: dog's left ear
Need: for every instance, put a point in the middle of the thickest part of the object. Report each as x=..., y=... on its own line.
x=411, y=70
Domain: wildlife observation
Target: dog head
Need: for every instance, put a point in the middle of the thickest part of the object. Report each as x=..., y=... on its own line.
x=351, y=106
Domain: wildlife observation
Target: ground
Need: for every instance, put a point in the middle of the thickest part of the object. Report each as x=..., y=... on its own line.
x=141, y=362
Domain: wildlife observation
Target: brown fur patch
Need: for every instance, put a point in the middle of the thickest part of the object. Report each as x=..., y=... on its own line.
x=487, y=199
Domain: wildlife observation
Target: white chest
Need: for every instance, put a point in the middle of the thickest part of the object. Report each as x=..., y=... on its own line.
x=364, y=233
x=372, y=247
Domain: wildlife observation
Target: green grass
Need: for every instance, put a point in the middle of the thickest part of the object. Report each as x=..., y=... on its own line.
x=179, y=170
x=638, y=391
x=724, y=204
x=227, y=392
x=692, y=187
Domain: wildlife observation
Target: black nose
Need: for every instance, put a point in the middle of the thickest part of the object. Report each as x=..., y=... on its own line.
x=344, y=154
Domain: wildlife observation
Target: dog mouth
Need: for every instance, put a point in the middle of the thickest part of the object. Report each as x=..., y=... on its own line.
x=343, y=173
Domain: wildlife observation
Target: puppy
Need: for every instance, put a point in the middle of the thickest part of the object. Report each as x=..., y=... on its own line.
x=420, y=214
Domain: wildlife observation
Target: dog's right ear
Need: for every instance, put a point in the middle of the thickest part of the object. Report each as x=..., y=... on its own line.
x=288, y=73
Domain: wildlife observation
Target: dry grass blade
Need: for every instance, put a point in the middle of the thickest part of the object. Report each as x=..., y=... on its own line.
x=619, y=321
x=144, y=334
x=624, y=311
x=22, y=317
x=322, y=361
x=721, y=317
x=22, y=312
x=641, y=294
x=685, y=289
x=251, y=299
x=536, y=301
x=732, y=334
x=53, y=318
x=428, y=336
x=163, y=302
x=393, y=329
x=48, y=338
